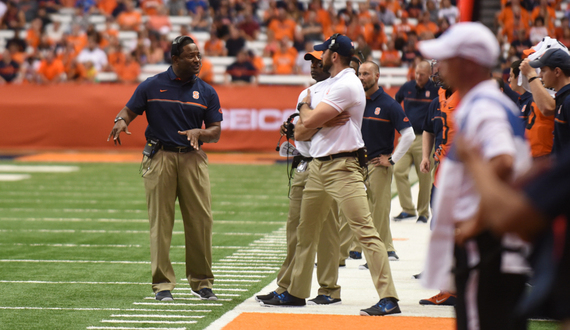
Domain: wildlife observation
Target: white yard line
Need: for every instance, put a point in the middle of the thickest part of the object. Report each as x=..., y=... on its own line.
x=14, y=177
x=159, y=316
x=38, y=168
x=107, y=309
x=132, y=328
x=149, y=321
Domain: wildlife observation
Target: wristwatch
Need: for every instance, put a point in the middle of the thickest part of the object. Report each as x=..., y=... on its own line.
x=119, y=118
x=390, y=160
x=300, y=104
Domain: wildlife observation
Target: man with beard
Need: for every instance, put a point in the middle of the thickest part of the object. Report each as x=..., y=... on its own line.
x=329, y=291
x=177, y=103
x=382, y=115
x=336, y=175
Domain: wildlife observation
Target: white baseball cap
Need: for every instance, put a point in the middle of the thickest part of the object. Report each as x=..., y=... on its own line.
x=470, y=40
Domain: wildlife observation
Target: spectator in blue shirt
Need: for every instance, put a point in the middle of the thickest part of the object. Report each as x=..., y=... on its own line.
x=417, y=96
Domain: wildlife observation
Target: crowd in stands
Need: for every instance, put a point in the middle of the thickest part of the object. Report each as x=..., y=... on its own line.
x=54, y=52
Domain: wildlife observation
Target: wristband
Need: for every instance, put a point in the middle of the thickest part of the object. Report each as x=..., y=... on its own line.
x=531, y=79
x=390, y=160
x=300, y=104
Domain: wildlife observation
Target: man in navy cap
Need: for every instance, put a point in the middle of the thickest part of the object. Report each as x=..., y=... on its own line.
x=554, y=67
x=336, y=175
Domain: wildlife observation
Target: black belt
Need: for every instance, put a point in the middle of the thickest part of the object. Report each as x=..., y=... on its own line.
x=339, y=155
x=306, y=159
x=177, y=149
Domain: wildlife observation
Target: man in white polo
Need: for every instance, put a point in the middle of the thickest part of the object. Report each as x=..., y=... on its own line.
x=336, y=174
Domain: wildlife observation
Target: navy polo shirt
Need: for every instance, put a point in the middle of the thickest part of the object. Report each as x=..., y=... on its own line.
x=172, y=105
x=416, y=102
x=434, y=123
x=381, y=116
x=562, y=120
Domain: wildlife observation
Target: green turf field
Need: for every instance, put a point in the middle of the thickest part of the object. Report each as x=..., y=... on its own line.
x=74, y=251
x=74, y=247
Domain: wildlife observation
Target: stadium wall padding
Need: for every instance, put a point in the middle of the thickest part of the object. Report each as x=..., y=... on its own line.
x=80, y=117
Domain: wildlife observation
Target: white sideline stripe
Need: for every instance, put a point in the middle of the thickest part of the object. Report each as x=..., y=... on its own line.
x=255, y=257
x=255, y=250
x=109, y=309
x=249, y=262
x=149, y=321
x=38, y=168
x=76, y=245
x=73, y=231
x=217, y=289
x=159, y=316
x=175, y=304
x=245, y=268
x=190, y=299
x=131, y=328
x=14, y=177
x=80, y=210
x=261, y=254
x=244, y=271
x=74, y=282
x=240, y=276
x=236, y=222
x=217, y=294
x=225, y=284
x=109, y=262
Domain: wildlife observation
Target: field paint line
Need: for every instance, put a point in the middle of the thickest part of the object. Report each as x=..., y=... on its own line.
x=52, y=219
x=149, y=321
x=226, y=284
x=72, y=201
x=102, y=231
x=232, y=280
x=217, y=289
x=160, y=316
x=39, y=168
x=108, y=309
x=218, y=275
x=249, y=262
x=260, y=254
x=78, y=210
x=131, y=328
x=217, y=294
x=255, y=250
x=76, y=282
x=245, y=196
x=77, y=245
x=255, y=257
x=14, y=177
x=175, y=304
x=221, y=271
x=189, y=299
x=217, y=266
x=80, y=261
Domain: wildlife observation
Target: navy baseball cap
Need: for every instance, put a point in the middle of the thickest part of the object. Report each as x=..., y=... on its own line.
x=345, y=45
x=555, y=58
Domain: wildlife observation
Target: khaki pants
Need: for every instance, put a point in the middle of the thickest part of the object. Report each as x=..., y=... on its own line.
x=340, y=180
x=378, y=189
x=327, y=246
x=183, y=176
x=401, y=172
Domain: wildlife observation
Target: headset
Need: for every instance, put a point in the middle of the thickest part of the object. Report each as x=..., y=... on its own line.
x=334, y=46
x=175, y=49
x=290, y=129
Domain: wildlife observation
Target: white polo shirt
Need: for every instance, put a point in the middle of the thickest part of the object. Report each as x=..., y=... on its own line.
x=317, y=92
x=344, y=93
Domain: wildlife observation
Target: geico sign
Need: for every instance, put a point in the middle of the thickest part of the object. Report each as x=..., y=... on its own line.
x=254, y=119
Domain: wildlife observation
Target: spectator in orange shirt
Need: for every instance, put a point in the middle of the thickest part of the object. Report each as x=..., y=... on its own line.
x=547, y=12
x=108, y=33
x=160, y=21
x=77, y=38
x=323, y=16
x=510, y=31
x=390, y=57
x=214, y=46
x=207, y=71
x=129, y=20
x=106, y=7
x=426, y=25
x=337, y=26
x=271, y=45
x=363, y=10
x=129, y=72
x=150, y=7
x=311, y=29
x=376, y=38
x=284, y=59
x=257, y=61
x=565, y=38
x=282, y=26
x=506, y=17
x=34, y=33
x=354, y=28
x=51, y=70
x=394, y=6
x=116, y=57
x=564, y=21
x=402, y=29
x=75, y=71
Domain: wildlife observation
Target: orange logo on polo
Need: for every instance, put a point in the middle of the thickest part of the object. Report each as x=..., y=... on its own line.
x=196, y=95
x=377, y=111
x=406, y=119
x=163, y=90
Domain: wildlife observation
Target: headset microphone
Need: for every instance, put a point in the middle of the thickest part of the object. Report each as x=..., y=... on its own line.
x=290, y=129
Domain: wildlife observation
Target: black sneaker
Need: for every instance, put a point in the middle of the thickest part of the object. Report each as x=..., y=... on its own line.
x=205, y=294
x=404, y=216
x=265, y=296
x=392, y=256
x=422, y=219
x=355, y=255
x=324, y=300
x=385, y=306
x=283, y=300
x=363, y=267
x=164, y=296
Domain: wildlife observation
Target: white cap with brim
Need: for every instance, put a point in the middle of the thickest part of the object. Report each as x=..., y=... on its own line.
x=470, y=40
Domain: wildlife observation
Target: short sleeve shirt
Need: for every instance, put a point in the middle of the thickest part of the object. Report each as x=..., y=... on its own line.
x=382, y=116
x=562, y=120
x=416, y=102
x=172, y=105
x=345, y=93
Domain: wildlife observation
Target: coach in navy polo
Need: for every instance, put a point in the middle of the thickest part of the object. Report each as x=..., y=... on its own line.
x=177, y=103
x=416, y=95
x=382, y=115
